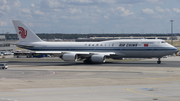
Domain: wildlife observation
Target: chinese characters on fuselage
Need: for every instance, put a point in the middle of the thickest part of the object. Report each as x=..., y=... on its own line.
x=120, y=45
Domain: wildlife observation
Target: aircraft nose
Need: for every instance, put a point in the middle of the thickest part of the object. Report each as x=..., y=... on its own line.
x=175, y=49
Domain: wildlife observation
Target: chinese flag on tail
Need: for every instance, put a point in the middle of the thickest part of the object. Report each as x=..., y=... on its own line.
x=145, y=45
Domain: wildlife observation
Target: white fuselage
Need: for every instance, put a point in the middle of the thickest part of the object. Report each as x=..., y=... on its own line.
x=141, y=48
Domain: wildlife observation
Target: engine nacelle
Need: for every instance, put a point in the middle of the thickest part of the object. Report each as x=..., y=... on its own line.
x=70, y=57
x=98, y=58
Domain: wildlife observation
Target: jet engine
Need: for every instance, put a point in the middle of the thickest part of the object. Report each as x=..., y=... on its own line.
x=70, y=57
x=98, y=58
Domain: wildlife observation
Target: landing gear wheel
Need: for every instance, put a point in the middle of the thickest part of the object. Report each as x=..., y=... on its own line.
x=87, y=61
x=158, y=62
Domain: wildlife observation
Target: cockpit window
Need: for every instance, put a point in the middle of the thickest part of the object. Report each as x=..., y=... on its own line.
x=163, y=42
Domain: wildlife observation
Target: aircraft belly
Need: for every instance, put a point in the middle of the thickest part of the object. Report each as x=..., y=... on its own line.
x=143, y=54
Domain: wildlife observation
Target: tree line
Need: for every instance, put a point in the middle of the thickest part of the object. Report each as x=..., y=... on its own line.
x=76, y=36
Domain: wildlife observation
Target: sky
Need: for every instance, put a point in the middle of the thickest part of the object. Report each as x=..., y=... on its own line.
x=91, y=16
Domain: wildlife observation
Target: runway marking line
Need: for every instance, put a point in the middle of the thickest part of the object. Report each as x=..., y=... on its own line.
x=152, y=78
x=128, y=89
x=9, y=99
x=31, y=76
x=14, y=75
x=47, y=75
x=48, y=93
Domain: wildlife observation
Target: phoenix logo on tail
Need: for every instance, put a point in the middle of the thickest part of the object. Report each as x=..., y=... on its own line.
x=22, y=32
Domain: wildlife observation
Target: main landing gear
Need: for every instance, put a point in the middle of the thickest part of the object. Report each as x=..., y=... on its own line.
x=87, y=61
x=159, y=61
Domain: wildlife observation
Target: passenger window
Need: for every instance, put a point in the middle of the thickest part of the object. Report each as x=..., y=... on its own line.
x=96, y=44
x=101, y=45
x=113, y=44
x=89, y=44
x=92, y=44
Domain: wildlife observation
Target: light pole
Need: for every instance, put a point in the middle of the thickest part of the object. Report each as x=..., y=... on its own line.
x=62, y=34
x=171, y=31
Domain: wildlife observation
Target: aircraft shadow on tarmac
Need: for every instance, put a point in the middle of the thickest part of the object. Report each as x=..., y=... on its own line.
x=79, y=63
x=106, y=64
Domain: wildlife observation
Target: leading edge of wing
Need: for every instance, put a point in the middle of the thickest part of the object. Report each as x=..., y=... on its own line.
x=79, y=53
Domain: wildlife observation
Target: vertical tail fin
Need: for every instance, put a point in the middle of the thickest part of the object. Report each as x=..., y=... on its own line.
x=24, y=33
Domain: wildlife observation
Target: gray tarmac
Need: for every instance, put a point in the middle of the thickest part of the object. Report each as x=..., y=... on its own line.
x=166, y=62
x=142, y=80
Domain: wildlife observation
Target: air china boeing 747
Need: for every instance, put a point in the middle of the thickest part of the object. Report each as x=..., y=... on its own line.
x=93, y=52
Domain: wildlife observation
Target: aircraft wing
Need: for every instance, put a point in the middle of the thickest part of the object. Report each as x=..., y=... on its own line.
x=23, y=46
x=78, y=53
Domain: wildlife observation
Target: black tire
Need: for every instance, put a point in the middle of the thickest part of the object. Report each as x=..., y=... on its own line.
x=158, y=62
x=87, y=61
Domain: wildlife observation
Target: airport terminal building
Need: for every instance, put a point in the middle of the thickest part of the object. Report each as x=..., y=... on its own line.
x=166, y=38
x=7, y=45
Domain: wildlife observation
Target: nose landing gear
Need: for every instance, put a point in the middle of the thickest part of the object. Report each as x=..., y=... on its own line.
x=159, y=61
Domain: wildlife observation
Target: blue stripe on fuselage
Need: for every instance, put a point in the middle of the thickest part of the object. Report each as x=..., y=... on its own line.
x=102, y=48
